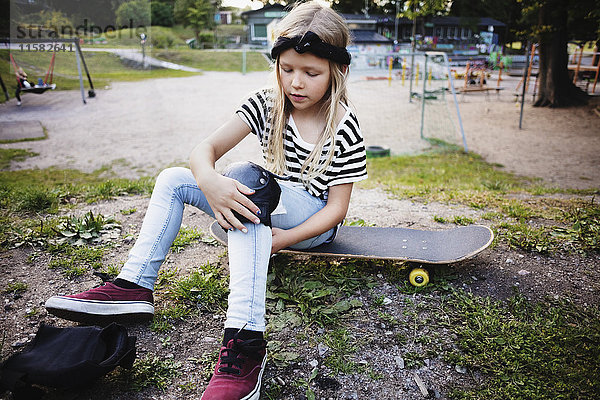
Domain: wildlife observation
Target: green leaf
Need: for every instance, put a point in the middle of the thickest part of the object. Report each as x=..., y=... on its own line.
x=286, y=356
x=312, y=285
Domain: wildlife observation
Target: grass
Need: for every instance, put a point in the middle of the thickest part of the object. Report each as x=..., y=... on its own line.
x=186, y=237
x=547, y=350
x=157, y=37
x=63, y=185
x=165, y=317
x=343, y=345
x=205, y=288
x=523, y=236
x=578, y=230
x=210, y=60
x=449, y=175
x=75, y=261
x=151, y=371
x=15, y=288
x=28, y=198
x=9, y=155
x=130, y=38
x=444, y=175
x=313, y=291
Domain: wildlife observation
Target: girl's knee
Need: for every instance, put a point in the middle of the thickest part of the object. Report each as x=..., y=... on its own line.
x=173, y=177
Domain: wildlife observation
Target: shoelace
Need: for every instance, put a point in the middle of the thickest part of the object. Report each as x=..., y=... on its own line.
x=231, y=362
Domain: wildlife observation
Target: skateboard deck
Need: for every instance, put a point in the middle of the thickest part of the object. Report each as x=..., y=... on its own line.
x=402, y=244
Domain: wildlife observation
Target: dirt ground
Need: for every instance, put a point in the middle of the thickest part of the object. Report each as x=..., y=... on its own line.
x=139, y=128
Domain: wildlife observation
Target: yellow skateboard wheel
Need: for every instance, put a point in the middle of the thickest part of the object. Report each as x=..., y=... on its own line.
x=418, y=277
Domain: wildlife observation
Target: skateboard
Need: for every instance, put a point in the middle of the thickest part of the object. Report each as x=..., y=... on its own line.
x=398, y=244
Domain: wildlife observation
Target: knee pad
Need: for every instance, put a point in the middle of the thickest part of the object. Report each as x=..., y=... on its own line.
x=266, y=189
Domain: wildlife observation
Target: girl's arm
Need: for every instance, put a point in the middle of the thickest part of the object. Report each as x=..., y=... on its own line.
x=222, y=193
x=328, y=217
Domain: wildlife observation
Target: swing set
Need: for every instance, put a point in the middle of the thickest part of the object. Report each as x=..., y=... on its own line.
x=42, y=85
x=46, y=84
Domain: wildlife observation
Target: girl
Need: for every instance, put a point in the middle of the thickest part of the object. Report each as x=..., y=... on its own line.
x=307, y=133
x=21, y=82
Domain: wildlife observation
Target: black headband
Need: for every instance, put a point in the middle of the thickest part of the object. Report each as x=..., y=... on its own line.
x=310, y=41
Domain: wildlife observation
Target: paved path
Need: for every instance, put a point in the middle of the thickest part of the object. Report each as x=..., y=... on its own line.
x=137, y=56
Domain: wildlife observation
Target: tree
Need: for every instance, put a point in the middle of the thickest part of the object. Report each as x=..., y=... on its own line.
x=584, y=21
x=360, y=6
x=415, y=9
x=56, y=21
x=197, y=14
x=162, y=13
x=348, y=6
x=550, y=28
x=506, y=11
x=98, y=12
x=136, y=11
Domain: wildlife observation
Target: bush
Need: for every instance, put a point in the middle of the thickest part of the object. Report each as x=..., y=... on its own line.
x=162, y=38
x=207, y=40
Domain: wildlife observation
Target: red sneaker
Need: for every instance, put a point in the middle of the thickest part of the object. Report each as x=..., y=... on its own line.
x=106, y=303
x=239, y=371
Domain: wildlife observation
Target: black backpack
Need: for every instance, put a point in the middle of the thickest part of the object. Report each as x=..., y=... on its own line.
x=67, y=358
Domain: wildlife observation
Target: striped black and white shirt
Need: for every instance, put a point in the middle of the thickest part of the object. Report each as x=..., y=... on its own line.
x=349, y=161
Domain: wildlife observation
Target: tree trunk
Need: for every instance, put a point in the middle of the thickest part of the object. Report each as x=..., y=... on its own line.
x=197, y=36
x=556, y=88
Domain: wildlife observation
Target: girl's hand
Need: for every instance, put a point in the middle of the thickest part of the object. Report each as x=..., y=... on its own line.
x=225, y=195
x=280, y=240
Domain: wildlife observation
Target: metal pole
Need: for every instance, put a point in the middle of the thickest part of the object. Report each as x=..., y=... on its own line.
x=423, y=97
x=396, y=20
x=462, y=131
x=244, y=61
x=412, y=56
x=91, y=92
x=524, y=84
x=412, y=74
x=4, y=89
x=79, y=72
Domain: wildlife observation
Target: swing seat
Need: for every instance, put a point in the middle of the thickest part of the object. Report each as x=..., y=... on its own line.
x=38, y=89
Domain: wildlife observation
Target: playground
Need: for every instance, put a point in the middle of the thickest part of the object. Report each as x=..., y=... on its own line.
x=140, y=127
x=400, y=336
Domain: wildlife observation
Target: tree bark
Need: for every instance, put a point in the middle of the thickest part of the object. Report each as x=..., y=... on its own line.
x=556, y=88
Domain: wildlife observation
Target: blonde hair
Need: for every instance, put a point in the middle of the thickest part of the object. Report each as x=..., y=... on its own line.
x=332, y=29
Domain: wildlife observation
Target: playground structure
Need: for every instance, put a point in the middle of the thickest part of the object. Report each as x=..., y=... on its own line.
x=476, y=75
x=578, y=67
x=527, y=74
x=40, y=45
x=43, y=84
x=581, y=70
x=431, y=110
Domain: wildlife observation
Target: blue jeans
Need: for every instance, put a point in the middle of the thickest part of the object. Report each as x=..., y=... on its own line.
x=249, y=253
